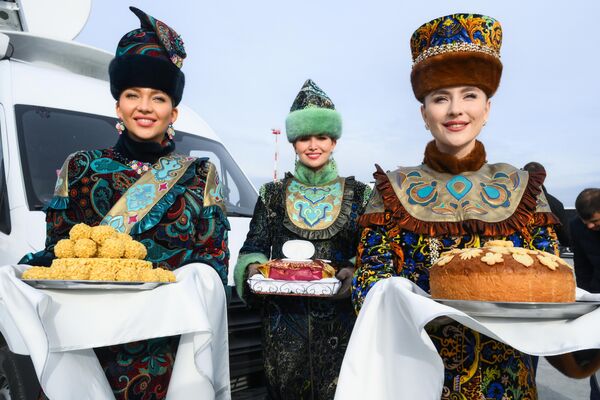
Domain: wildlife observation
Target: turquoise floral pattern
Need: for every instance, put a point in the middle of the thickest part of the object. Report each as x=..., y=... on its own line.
x=314, y=206
x=164, y=170
x=140, y=197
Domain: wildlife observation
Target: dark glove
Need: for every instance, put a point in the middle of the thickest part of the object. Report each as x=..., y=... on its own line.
x=578, y=364
x=345, y=276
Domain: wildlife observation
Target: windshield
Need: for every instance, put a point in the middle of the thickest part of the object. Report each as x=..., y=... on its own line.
x=48, y=135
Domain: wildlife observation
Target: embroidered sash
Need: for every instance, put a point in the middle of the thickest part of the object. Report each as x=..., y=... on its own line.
x=139, y=199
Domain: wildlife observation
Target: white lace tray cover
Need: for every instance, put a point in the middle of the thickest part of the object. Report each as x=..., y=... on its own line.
x=319, y=288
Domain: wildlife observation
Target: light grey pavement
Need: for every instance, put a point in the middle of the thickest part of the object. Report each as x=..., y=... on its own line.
x=552, y=385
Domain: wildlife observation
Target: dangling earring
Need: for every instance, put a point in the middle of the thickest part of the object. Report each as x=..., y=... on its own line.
x=120, y=127
x=171, y=132
x=426, y=127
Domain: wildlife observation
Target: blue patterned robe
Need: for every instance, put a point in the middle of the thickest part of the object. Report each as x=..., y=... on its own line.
x=396, y=243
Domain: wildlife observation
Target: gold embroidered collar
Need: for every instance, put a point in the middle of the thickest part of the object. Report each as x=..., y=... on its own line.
x=491, y=194
x=314, y=207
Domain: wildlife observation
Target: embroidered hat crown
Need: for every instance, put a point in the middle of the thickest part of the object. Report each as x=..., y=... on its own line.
x=457, y=49
x=312, y=113
x=150, y=56
x=311, y=95
x=154, y=38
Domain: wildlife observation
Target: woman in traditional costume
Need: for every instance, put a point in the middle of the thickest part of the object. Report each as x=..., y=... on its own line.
x=305, y=338
x=455, y=199
x=169, y=202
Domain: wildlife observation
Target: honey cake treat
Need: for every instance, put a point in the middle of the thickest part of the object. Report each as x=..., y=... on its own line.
x=502, y=273
x=100, y=254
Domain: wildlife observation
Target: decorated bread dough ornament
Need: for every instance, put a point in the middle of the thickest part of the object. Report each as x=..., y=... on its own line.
x=548, y=262
x=470, y=253
x=492, y=258
x=524, y=259
x=445, y=259
x=499, y=243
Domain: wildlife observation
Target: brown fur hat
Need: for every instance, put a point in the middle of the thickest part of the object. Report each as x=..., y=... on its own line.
x=456, y=69
x=456, y=50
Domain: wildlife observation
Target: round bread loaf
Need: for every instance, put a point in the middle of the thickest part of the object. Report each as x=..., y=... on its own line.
x=502, y=273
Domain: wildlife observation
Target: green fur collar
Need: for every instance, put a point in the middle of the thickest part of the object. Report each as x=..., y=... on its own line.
x=325, y=174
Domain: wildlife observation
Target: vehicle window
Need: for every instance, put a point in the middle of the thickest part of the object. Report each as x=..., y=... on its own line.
x=48, y=135
x=5, y=225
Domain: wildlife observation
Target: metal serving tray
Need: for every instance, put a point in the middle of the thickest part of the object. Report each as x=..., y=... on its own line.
x=91, y=285
x=522, y=310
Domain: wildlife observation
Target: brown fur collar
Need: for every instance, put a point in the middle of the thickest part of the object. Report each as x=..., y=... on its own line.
x=442, y=162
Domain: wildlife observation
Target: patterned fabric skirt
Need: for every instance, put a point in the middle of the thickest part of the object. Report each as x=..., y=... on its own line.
x=139, y=370
x=478, y=367
x=304, y=342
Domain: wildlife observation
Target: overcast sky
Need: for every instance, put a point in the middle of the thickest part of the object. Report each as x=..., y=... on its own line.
x=248, y=59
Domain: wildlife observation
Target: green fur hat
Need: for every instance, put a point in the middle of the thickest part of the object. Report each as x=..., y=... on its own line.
x=312, y=113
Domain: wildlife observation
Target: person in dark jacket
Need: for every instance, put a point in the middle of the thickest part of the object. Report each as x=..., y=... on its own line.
x=585, y=231
x=585, y=242
x=556, y=206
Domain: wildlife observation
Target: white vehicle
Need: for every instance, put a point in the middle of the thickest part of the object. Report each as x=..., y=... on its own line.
x=55, y=100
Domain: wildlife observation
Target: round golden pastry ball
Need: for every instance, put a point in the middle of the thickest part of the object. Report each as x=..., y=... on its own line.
x=85, y=248
x=102, y=232
x=124, y=237
x=136, y=250
x=112, y=247
x=80, y=231
x=65, y=248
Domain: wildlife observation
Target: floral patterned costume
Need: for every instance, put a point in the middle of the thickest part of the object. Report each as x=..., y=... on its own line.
x=417, y=213
x=304, y=338
x=187, y=225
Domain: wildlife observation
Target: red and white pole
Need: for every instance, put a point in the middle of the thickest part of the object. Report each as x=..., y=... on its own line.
x=275, y=132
